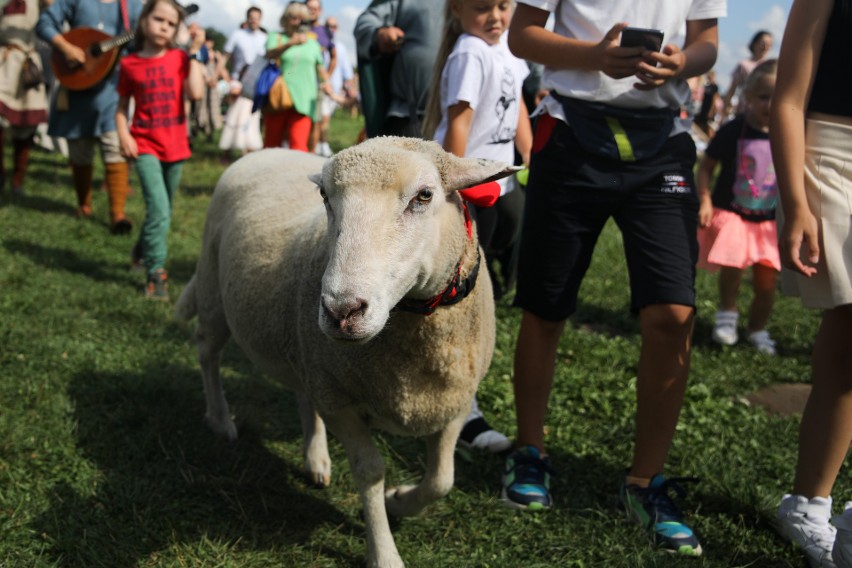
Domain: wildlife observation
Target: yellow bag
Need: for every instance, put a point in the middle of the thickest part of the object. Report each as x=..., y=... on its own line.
x=279, y=96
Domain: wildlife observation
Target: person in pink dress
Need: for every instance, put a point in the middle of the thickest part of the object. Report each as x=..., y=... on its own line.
x=737, y=222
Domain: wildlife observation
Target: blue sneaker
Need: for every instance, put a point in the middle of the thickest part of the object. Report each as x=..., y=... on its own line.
x=653, y=509
x=526, y=480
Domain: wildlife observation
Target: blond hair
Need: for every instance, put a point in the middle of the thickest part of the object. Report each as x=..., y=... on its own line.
x=294, y=9
x=452, y=31
x=768, y=68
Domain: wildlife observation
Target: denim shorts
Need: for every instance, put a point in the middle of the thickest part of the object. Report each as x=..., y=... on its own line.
x=570, y=196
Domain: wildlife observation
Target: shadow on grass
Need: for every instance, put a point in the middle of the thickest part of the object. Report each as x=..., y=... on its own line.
x=605, y=321
x=66, y=260
x=42, y=204
x=165, y=480
x=182, y=269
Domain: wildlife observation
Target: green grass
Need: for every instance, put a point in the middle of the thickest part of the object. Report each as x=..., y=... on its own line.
x=105, y=461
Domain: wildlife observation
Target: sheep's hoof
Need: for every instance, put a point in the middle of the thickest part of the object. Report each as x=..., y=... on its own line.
x=387, y=563
x=398, y=503
x=225, y=428
x=317, y=462
x=319, y=479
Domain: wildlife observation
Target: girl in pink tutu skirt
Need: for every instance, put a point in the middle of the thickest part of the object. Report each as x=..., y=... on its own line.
x=737, y=223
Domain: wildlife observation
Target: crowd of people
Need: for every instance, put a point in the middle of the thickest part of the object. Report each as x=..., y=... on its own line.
x=156, y=122
x=640, y=134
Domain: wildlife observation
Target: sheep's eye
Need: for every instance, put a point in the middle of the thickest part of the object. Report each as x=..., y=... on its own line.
x=323, y=195
x=424, y=195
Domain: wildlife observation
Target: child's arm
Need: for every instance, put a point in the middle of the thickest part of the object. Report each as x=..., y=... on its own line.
x=194, y=84
x=459, y=119
x=702, y=180
x=528, y=39
x=698, y=56
x=126, y=142
x=797, y=65
x=523, y=135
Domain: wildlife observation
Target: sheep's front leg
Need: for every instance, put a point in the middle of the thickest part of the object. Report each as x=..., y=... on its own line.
x=314, y=444
x=409, y=500
x=368, y=471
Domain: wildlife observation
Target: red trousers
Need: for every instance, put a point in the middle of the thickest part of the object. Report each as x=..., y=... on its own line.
x=289, y=125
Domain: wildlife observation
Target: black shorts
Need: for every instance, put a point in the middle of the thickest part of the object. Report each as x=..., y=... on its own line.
x=570, y=196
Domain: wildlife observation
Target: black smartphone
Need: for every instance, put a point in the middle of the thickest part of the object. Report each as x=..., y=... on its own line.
x=652, y=40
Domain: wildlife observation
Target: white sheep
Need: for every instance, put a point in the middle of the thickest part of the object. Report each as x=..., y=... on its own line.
x=318, y=296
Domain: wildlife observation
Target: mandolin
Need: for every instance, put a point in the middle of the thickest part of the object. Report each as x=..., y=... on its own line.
x=101, y=54
x=102, y=51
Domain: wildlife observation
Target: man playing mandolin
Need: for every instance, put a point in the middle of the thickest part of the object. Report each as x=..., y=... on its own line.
x=83, y=114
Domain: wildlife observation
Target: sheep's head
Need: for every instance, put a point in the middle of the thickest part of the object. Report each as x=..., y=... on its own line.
x=395, y=228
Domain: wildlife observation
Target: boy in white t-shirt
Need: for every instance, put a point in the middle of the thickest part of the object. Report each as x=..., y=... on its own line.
x=608, y=143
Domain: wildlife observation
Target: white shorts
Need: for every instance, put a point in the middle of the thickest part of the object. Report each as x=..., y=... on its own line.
x=828, y=185
x=327, y=104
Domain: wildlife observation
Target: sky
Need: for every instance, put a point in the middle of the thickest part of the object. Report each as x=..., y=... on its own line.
x=745, y=17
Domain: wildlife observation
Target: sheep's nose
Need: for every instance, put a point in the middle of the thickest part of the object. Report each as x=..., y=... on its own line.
x=346, y=311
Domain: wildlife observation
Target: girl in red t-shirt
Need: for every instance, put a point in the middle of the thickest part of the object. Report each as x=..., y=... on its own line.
x=158, y=77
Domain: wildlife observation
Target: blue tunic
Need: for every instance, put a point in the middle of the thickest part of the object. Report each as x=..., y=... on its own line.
x=90, y=112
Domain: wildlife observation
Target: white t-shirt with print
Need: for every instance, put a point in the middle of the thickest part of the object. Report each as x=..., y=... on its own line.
x=489, y=79
x=589, y=20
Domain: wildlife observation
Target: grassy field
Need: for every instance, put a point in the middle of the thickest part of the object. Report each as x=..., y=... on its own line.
x=105, y=461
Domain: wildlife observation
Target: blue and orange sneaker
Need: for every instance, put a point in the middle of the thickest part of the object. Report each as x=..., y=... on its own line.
x=526, y=480
x=653, y=508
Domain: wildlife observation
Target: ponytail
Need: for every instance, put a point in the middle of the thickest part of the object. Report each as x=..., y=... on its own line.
x=452, y=31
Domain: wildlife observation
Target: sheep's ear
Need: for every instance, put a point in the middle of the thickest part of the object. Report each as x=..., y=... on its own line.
x=316, y=178
x=459, y=173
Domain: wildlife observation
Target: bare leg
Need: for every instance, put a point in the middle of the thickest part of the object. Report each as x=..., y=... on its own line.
x=764, y=296
x=661, y=383
x=826, y=428
x=729, y=287
x=535, y=360
x=313, y=138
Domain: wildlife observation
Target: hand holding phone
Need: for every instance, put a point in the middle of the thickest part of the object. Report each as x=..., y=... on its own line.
x=652, y=40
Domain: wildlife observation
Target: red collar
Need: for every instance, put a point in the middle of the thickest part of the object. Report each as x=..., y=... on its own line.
x=457, y=290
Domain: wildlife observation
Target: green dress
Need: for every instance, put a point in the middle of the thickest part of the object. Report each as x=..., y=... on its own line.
x=299, y=69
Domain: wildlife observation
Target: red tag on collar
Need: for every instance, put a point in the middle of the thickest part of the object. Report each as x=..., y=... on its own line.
x=482, y=195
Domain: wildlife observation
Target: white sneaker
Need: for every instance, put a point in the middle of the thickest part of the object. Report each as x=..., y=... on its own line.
x=805, y=523
x=842, y=551
x=762, y=342
x=725, y=330
x=326, y=150
x=477, y=433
